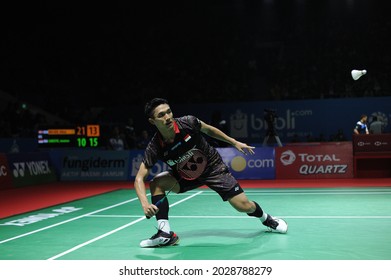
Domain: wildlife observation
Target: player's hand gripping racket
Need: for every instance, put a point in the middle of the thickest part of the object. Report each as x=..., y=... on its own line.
x=157, y=204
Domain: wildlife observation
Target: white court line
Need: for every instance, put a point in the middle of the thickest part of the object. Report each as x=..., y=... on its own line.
x=95, y=239
x=307, y=193
x=67, y=221
x=335, y=217
x=247, y=217
x=208, y=192
x=114, y=231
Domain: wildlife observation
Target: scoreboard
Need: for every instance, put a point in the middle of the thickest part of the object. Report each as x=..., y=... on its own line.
x=81, y=136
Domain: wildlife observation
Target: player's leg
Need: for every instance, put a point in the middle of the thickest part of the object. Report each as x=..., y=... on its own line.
x=163, y=182
x=158, y=186
x=238, y=200
x=242, y=204
x=226, y=185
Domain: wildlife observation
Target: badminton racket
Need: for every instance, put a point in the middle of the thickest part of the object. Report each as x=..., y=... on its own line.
x=157, y=204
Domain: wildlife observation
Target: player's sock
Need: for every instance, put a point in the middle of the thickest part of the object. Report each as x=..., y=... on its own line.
x=264, y=217
x=164, y=225
x=163, y=207
x=259, y=213
x=162, y=215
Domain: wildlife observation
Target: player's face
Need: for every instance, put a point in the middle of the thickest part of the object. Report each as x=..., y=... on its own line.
x=162, y=116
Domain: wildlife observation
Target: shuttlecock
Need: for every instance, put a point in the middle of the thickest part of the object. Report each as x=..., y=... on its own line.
x=356, y=74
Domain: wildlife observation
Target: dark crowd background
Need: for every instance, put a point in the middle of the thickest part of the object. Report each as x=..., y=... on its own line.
x=84, y=61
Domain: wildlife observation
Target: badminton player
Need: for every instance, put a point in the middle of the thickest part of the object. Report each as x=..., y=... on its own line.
x=179, y=142
x=361, y=126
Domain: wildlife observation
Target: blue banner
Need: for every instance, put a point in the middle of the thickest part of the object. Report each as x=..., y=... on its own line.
x=93, y=165
x=258, y=166
x=296, y=120
x=136, y=157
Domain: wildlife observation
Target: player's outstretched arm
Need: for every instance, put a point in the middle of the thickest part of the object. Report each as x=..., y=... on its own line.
x=220, y=135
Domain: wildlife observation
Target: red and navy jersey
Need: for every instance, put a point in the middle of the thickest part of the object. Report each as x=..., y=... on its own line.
x=189, y=148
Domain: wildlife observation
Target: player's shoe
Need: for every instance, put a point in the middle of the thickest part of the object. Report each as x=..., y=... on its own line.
x=276, y=224
x=159, y=239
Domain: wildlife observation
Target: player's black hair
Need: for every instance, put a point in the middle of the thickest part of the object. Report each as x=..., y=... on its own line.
x=152, y=104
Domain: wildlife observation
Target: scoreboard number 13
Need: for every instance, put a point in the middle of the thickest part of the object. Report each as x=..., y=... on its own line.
x=89, y=130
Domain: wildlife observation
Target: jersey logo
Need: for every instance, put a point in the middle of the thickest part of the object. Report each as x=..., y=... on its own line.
x=193, y=166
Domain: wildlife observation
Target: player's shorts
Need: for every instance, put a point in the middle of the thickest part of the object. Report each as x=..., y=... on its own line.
x=217, y=178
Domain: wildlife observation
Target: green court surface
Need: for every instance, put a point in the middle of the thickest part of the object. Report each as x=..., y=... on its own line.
x=324, y=224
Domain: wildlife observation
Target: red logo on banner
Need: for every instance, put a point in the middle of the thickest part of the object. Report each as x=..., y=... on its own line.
x=323, y=160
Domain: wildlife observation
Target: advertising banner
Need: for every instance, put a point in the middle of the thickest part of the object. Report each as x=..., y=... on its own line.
x=5, y=173
x=294, y=120
x=321, y=160
x=136, y=157
x=372, y=143
x=93, y=165
x=258, y=166
x=31, y=168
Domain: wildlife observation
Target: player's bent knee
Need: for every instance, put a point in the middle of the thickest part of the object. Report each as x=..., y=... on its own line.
x=242, y=206
x=163, y=182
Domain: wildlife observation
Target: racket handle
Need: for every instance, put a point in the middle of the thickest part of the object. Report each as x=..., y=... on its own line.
x=157, y=205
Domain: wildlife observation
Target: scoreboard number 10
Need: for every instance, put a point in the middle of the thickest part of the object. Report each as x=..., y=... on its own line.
x=83, y=142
